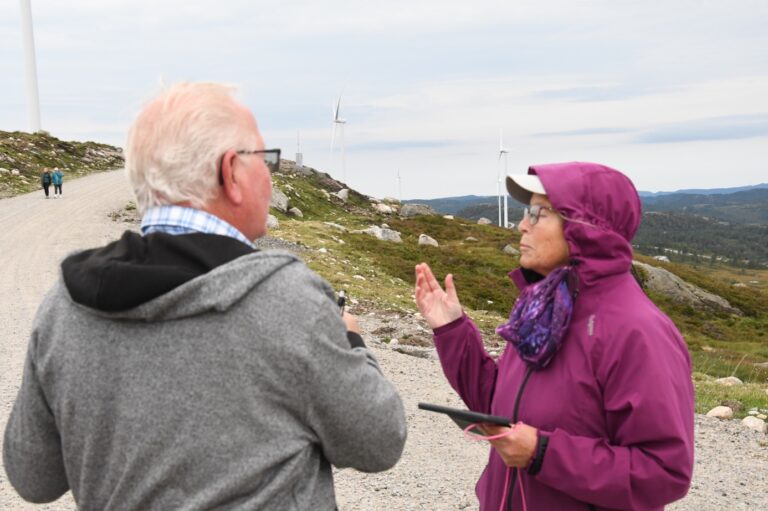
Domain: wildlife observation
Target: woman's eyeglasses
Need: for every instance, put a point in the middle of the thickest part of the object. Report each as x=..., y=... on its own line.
x=533, y=213
x=271, y=160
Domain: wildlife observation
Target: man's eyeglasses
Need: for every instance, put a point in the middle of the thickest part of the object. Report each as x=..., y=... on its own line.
x=271, y=160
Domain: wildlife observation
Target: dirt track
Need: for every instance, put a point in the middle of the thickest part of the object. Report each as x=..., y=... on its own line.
x=438, y=468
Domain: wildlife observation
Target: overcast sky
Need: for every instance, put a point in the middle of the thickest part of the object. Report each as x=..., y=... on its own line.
x=674, y=93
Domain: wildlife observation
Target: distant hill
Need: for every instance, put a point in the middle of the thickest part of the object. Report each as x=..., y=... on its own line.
x=706, y=191
x=726, y=223
x=695, y=239
x=720, y=203
x=745, y=207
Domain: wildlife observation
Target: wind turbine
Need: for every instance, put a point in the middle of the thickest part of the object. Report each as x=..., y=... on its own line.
x=299, y=155
x=503, y=151
x=33, y=100
x=338, y=123
x=399, y=187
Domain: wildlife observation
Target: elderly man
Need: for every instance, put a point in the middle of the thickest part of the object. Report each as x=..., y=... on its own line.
x=182, y=368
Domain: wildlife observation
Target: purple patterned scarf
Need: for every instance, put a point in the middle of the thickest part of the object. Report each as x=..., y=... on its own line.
x=540, y=318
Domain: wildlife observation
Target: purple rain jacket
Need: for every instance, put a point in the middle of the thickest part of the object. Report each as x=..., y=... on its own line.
x=614, y=407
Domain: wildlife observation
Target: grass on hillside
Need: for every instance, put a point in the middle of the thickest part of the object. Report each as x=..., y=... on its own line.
x=29, y=153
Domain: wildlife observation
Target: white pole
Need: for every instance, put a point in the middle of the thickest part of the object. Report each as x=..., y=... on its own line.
x=506, y=195
x=343, y=157
x=498, y=197
x=33, y=100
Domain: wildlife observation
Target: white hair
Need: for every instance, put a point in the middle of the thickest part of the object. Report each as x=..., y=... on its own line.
x=176, y=143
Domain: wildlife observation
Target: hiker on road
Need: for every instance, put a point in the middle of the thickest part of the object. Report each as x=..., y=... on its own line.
x=58, y=180
x=45, y=180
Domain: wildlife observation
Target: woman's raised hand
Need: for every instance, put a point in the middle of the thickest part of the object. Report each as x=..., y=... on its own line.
x=437, y=306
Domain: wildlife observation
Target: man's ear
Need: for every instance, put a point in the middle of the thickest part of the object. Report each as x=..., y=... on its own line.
x=230, y=186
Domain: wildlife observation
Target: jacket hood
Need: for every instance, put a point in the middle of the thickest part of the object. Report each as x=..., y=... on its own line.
x=605, y=199
x=164, y=277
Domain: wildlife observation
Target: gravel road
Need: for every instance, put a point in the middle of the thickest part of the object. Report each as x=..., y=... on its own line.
x=438, y=468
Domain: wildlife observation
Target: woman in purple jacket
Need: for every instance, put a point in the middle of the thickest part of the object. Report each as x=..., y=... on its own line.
x=598, y=379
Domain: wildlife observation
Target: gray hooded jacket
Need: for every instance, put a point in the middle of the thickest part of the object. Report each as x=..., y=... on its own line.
x=237, y=389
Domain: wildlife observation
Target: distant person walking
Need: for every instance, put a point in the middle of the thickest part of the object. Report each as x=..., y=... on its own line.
x=58, y=180
x=45, y=180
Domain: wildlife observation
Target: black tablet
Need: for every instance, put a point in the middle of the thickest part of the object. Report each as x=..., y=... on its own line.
x=463, y=418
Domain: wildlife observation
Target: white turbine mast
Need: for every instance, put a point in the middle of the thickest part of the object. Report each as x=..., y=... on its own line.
x=299, y=155
x=338, y=124
x=399, y=187
x=33, y=99
x=503, y=151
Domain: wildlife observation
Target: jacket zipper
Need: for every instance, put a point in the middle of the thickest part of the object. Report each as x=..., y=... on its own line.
x=511, y=490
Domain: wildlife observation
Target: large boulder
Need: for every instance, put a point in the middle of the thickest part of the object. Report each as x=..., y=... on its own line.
x=427, y=240
x=343, y=195
x=411, y=210
x=279, y=200
x=382, y=234
x=668, y=284
x=272, y=222
x=383, y=208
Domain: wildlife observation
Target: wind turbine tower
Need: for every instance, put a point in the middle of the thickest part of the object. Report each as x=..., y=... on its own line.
x=399, y=187
x=33, y=99
x=338, y=124
x=503, y=151
x=299, y=155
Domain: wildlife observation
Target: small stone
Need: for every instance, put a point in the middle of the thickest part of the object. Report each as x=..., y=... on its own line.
x=448, y=217
x=358, y=277
x=470, y=238
x=484, y=221
x=761, y=416
x=272, y=222
x=336, y=226
x=720, y=412
x=510, y=250
x=730, y=381
x=754, y=424
x=323, y=250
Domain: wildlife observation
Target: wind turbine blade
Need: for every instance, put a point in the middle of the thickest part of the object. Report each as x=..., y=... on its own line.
x=336, y=111
x=501, y=142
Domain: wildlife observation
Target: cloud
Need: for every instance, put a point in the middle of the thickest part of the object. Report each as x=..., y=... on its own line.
x=717, y=128
x=586, y=132
x=403, y=145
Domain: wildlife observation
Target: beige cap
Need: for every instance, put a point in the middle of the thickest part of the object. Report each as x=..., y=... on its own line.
x=522, y=186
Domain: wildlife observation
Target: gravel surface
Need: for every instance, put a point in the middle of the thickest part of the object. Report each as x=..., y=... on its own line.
x=439, y=467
